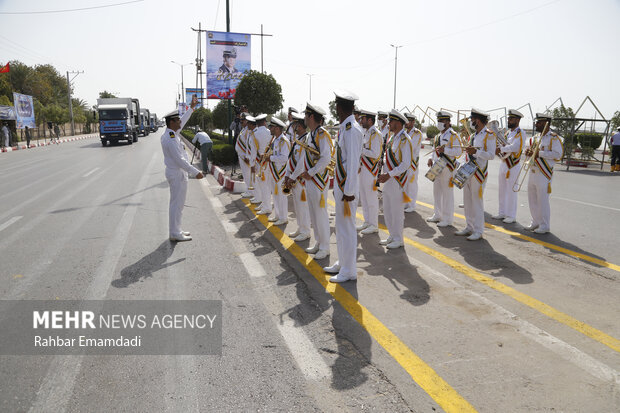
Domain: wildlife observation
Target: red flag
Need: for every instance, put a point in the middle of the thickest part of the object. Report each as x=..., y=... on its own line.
x=5, y=69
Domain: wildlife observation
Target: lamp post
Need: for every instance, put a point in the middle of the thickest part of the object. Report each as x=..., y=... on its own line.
x=182, y=86
x=310, y=76
x=395, y=67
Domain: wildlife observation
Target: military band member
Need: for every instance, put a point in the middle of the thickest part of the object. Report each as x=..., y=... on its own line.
x=415, y=135
x=346, y=188
x=289, y=127
x=281, y=148
x=383, y=123
x=448, y=147
x=298, y=186
x=243, y=153
x=254, y=156
x=397, y=162
x=481, y=150
x=357, y=113
x=314, y=171
x=262, y=189
x=549, y=152
x=177, y=168
x=509, y=168
x=369, y=170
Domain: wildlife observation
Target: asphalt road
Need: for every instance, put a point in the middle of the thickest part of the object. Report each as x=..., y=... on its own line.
x=514, y=323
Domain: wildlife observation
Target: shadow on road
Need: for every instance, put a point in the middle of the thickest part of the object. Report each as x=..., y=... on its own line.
x=147, y=265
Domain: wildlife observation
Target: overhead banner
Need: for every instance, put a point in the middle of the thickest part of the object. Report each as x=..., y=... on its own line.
x=228, y=60
x=24, y=111
x=189, y=94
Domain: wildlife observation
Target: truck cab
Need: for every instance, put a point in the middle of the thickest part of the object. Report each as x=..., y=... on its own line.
x=145, y=122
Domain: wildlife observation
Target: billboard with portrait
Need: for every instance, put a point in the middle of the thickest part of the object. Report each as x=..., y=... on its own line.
x=24, y=111
x=228, y=60
x=190, y=92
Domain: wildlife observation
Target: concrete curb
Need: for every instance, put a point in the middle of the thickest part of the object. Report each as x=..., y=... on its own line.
x=36, y=145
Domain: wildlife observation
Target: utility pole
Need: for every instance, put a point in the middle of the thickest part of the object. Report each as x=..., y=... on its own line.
x=182, y=85
x=69, y=94
x=199, y=61
x=310, y=76
x=230, y=137
x=395, y=67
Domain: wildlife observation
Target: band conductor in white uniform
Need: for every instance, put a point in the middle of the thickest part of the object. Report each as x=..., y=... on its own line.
x=316, y=158
x=370, y=163
x=177, y=168
x=447, y=146
x=510, y=155
x=262, y=189
x=398, y=163
x=481, y=150
x=548, y=152
x=297, y=186
x=346, y=188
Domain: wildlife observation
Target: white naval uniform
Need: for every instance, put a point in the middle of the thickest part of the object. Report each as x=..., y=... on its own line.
x=443, y=190
x=397, y=163
x=474, y=187
x=539, y=182
x=370, y=164
x=316, y=188
x=277, y=166
x=262, y=188
x=508, y=173
x=300, y=203
x=348, y=152
x=243, y=152
x=412, y=183
x=177, y=168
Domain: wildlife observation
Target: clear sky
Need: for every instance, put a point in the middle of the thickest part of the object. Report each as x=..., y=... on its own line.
x=456, y=54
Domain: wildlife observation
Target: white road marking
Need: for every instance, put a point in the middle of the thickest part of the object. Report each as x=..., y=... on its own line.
x=89, y=173
x=9, y=222
x=586, y=203
x=57, y=387
x=303, y=351
x=251, y=264
x=559, y=347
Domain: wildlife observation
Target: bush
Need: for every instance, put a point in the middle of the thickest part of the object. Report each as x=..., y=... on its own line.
x=589, y=140
x=431, y=132
x=223, y=154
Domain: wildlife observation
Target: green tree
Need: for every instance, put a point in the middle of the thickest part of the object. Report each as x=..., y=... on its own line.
x=105, y=94
x=332, y=109
x=57, y=114
x=201, y=117
x=431, y=132
x=220, y=115
x=5, y=101
x=615, y=121
x=563, y=127
x=259, y=92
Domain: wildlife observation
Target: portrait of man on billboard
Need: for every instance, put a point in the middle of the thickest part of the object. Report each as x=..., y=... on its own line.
x=230, y=59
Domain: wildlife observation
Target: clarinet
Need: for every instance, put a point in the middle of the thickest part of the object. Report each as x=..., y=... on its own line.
x=382, y=158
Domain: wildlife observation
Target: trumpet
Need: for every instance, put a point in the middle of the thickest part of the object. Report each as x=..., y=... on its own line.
x=332, y=162
x=286, y=189
x=529, y=161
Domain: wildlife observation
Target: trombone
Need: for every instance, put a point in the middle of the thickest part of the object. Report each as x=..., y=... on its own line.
x=332, y=162
x=529, y=161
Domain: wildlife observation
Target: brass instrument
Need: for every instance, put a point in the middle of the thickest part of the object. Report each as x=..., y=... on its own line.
x=286, y=189
x=529, y=161
x=465, y=135
x=332, y=162
x=500, y=139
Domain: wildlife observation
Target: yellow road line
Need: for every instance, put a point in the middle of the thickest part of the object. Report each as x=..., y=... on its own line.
x=563, y=250
x=420, y=372
x=531, y=302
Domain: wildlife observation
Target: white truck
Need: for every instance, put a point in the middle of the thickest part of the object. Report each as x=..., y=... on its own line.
x=119, y=119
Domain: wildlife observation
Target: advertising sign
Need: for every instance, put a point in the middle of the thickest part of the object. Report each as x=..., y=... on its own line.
x=24, y=111
x=189, y=93
x=228, y=60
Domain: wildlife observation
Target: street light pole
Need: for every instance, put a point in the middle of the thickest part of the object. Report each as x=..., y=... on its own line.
x=182, y=85
x=395, y=68
x=310, y=76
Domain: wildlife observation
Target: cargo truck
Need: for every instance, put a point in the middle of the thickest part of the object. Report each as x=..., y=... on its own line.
x=145, y=120
x=119, y=120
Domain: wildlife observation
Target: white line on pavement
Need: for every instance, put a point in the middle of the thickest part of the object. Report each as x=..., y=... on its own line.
x=9, y=222
x=304, y=352
x=586, y=203
x=86, y=175
x=57, y=387
x=559, y=347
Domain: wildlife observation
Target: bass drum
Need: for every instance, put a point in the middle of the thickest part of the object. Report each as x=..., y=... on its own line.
x=436, y=169
x=462, y=174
